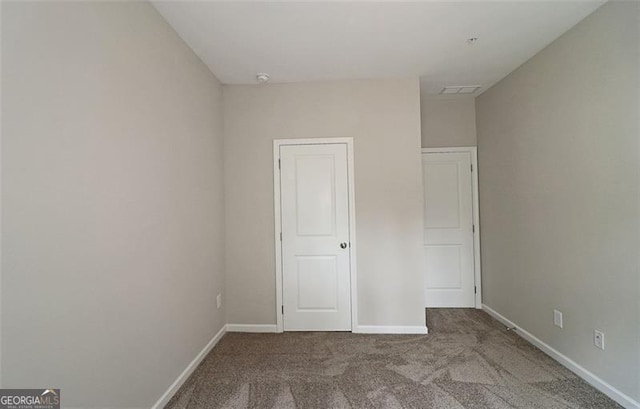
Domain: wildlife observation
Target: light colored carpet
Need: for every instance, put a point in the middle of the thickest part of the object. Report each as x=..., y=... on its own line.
x=468, y=360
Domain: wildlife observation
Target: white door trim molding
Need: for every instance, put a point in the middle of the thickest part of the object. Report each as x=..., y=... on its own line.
x=277, y=143
x=473, y=151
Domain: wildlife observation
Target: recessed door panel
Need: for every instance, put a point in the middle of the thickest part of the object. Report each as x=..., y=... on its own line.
x=443, y=263
x=317, y=283
x=441, y=184
x=315, y=195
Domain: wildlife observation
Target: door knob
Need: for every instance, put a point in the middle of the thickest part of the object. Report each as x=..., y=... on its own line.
x=343, y=245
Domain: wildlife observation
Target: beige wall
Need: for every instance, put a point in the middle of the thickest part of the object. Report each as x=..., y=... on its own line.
x=448, y=122
x=112, y=189
x=383, y=118
x=559, y=194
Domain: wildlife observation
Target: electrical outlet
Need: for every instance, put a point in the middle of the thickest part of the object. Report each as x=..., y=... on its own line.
x=598, y=339
x=557, y=318
x=219, y=301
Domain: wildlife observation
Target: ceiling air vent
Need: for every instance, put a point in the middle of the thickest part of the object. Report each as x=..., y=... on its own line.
x=461, y=89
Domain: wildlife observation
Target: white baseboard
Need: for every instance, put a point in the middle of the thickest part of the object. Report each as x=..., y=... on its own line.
x=361, y=329
x=592, y=379
x=166, y=397
x=251, y=328
x=390, y=329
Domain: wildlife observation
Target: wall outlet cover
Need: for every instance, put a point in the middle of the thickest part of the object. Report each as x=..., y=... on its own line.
x=219, y=301
x=557, y=318
x=598, y=339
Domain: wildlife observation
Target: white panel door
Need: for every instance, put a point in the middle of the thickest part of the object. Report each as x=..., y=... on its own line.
x=315, y=237
x=448, y=229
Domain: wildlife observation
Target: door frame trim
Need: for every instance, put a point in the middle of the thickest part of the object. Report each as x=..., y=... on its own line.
x=277, y=143
x=477, y=266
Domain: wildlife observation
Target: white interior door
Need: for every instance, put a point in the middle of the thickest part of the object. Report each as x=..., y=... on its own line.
x=315, y=237
x=448, y=233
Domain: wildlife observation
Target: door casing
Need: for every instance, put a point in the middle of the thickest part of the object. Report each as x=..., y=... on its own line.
x=473, y=151
x=277, y=143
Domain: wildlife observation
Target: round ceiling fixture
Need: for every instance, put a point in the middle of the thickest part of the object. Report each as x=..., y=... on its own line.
x=262, y=78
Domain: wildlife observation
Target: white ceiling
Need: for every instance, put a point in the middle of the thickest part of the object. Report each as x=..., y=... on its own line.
x=313, y=40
